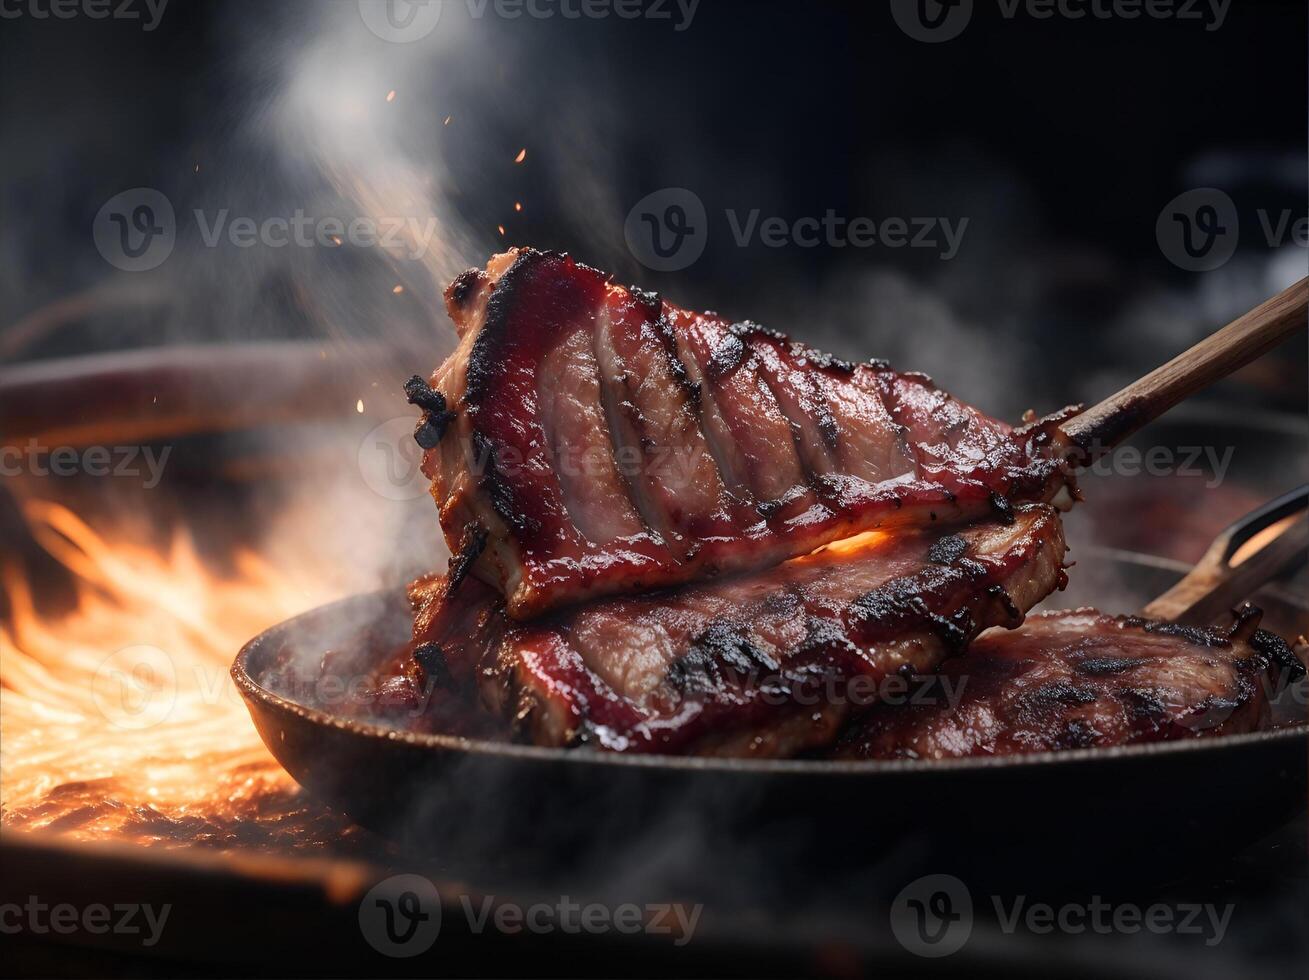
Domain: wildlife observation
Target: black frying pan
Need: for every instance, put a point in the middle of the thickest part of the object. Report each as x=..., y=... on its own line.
x=1036, y=821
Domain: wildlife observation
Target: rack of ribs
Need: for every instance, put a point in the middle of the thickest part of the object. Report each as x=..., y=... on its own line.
x=587, y=439
x=1082, y=679
x=765, y=665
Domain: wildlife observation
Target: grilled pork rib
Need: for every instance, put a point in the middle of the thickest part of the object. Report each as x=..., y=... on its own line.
x=1081, y=679
x=599, y=440
x=768, y=664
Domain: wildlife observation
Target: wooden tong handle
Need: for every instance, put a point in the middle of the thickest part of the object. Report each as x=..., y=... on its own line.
x=1279, y=534
x=1100, y=428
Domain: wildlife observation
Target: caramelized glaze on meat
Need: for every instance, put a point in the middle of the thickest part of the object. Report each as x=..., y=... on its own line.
x=1082, y=679
x=767, y=664
x=609, y=442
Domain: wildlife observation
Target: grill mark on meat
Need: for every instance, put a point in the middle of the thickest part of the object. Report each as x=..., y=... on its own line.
x=1216, y=704
x=1003, y=509
x=649, y=300
x=1058, y=694
x=471, y=546
x=431, y=658
x=876, y=450
x=904, y=603
x=1077, y=734
x=1006, y=601
x=748, y=330
x=783, y=602
x=827, y=427
x=872, y=447
x=825, y=634
x=728, y=355
x=596, y=493
x=663, y=329
x=721, y=656
x=720, y=667
x=624, y=432
x=677, y=486
x=1080, y=678
x=500, y=492
x=754, y=438
x=1272, y=649
x=1103, y=666
x=1198, y=635
x=487, y=353
x=947, y=550
x=814, y=430
x=769, y=509
x=733, y=469
x=838, y=364
x=1146, y=710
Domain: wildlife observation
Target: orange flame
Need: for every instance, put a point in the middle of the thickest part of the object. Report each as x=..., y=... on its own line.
x=119, y=719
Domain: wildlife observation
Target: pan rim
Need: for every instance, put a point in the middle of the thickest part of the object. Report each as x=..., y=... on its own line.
x=253, y=692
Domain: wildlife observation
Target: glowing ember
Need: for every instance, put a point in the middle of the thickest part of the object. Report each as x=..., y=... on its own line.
x=501, y=229
x=522, y=155
x=120, y=719
x=866, y=540
x=397, y=289
x=359, y=406
x=518, y=206
x=390, y=96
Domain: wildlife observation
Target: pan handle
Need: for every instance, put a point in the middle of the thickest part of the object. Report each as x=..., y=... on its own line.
x=1266, y=542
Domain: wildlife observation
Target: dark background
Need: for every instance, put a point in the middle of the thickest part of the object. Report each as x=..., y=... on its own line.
x=1060, y=141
